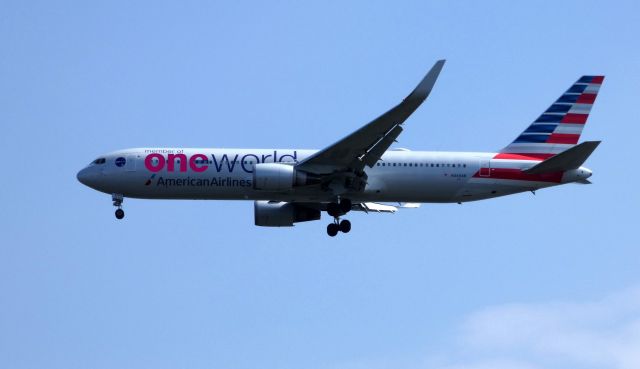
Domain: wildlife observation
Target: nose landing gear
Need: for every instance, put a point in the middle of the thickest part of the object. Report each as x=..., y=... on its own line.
x=117, y=201
x=336, y=210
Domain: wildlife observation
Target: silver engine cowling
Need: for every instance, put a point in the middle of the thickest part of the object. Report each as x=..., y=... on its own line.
x=280, y=177
x=282, y=214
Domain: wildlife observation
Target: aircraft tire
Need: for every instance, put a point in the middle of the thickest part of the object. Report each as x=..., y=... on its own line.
x=333, y=210
x=332, y=229
x=345, y=226
x=119, y=213
x=345, y=205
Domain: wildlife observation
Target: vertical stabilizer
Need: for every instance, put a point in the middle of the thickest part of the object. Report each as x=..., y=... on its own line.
x=560, y=126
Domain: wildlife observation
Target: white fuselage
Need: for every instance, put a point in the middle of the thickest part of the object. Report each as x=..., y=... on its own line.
x=400, y=176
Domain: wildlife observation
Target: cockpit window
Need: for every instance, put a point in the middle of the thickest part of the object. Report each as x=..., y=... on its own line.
x=99, y=161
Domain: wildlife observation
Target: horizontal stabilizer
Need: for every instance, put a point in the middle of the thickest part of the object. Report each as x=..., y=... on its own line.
x=569, y=159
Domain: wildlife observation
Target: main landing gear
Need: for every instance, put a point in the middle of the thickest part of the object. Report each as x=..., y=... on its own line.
x=333, y=228
x=337, y=209
x=117, y=201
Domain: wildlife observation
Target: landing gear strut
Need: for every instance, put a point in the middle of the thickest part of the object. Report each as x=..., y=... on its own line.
x=117, y=202
x=337, y=209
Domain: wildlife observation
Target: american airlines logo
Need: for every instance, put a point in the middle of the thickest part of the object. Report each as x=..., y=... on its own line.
x=199, y=163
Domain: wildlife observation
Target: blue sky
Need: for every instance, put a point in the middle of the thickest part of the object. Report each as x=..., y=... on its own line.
x=546, y=281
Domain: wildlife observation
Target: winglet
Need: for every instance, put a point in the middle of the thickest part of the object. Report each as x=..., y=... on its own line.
x=423, y=89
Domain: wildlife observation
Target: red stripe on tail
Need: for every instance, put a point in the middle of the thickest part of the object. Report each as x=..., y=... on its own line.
x=575, y=118
x=586, y=99
x=563, y=138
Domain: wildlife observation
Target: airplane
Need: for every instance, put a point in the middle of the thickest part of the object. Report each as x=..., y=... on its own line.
x=359, y=172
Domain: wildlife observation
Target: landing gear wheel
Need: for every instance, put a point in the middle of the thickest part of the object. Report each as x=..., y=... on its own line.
x=345, y=226
x=119, y=213
x=333, y=209
x=345, y=205
x=332, y=229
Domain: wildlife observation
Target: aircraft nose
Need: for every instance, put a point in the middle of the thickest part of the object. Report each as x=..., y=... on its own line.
x=87, y=177
x=83, y=176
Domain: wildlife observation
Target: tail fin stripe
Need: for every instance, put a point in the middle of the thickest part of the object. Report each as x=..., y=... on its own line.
x=541, y=128
x=569, y=98
x=559, y=108
x=563, y=138
x=568, y=128
x=580, y=108
x=575, y=118
x=590, y=79
x=577, y=88
x=591, y=89
x=549, y=118
x=531, y=138
x=586, y=98
x=597, y=79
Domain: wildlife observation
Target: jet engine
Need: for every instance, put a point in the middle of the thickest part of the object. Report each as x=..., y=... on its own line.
x=280, y=177
x=282, y=214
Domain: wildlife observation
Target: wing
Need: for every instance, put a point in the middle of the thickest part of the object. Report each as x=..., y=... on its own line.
x=366, y=145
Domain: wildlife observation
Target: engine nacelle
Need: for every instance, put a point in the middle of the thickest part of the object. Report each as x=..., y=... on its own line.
x=282, y=214
x=280, y=177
